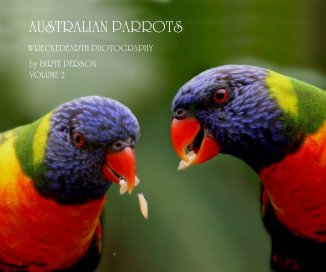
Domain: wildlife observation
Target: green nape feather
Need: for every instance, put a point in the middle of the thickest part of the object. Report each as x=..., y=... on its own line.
x=303, y=104
x=30, y=144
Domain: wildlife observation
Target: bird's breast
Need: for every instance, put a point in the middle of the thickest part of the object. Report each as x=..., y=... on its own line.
x=296, y=188
x=39, y=232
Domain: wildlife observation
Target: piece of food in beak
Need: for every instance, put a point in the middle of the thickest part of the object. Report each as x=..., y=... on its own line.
x=121, y=166
x=186, y=163
x=124, y=185
x=188, y=135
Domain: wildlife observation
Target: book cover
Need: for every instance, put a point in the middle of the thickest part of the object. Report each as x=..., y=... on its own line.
x=206, y=218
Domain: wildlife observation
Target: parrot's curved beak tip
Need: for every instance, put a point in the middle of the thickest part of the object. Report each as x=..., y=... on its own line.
x=189, y=135
x=120, y=168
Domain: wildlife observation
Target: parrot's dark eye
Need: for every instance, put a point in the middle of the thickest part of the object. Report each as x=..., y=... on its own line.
x=180, y=113
x=78, y=140
x=220, y=96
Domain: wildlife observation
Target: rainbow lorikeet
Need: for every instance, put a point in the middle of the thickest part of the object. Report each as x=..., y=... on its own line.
x=277, y=125
x=55, y=173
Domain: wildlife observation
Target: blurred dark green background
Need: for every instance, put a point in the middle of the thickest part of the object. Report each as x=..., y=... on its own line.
x=206, y=218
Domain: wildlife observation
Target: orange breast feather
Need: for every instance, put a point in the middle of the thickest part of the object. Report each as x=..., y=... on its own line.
x=296, y=187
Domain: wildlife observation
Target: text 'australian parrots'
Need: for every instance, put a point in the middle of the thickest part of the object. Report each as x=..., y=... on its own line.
x=277, y=125
x=54, y=175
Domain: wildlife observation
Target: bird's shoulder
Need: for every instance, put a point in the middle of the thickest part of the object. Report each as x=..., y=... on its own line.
x=317, y=142
x=10, y=134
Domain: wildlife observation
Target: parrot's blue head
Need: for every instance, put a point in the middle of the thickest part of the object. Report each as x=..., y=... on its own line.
x=229, y=109
x=90, y=144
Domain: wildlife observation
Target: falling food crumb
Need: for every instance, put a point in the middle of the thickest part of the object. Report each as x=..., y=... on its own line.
x=143, y=205
x=190, y=158
x=142, y=201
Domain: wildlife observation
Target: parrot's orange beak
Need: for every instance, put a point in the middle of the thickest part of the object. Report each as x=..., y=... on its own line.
x=121, y=165
x=188, y=134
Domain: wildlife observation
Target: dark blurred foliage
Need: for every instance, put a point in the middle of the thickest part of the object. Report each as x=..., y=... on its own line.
x=206, y=218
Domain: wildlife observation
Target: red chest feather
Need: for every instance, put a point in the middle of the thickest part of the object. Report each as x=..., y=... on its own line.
x=296, y=187
x=39, y=232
